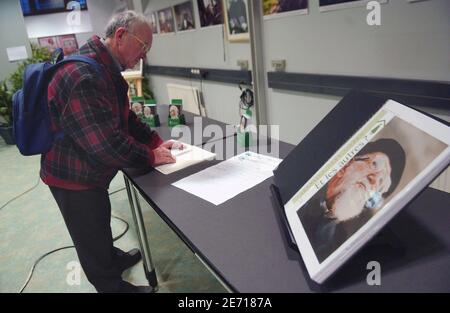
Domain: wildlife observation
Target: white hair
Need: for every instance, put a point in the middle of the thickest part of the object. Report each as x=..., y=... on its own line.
x=126, y=20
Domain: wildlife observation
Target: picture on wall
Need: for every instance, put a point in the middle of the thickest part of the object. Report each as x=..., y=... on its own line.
x=210, y=12
x=276, y=7
x=184, y=16
x=166, y=22
x=329, y=5
x=68, y=43
x=153, y=21
x=236, y=20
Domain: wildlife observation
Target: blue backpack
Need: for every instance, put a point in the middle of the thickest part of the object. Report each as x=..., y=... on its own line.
x=31, y=119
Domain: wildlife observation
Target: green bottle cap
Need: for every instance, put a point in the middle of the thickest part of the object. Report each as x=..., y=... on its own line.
x=137, y=99
x=177, y=101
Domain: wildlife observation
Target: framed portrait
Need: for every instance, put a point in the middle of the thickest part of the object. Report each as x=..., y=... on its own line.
x=330, y=5
x=166, y=21
x=51, y=43
x=153, y=21
x=210, y=12
x=184, y=16
x=68, y=43
x=236, y=20
x=369, y=179
x=280, y=8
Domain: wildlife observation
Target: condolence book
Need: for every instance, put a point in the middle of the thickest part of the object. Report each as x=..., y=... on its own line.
x=356, y=169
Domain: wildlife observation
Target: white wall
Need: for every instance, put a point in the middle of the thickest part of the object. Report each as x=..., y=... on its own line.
x=12, y=34
x=204, y=47
x=411, y=43
x=225, y=94
x=44, y=25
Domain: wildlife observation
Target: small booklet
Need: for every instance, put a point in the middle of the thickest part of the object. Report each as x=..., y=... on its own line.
x=185, y=157
x=369, y=179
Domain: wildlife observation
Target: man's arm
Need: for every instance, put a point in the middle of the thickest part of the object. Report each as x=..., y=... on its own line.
x=142, y=132
x=88, y=119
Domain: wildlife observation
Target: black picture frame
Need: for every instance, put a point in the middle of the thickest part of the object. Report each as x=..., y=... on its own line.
x=39, y=7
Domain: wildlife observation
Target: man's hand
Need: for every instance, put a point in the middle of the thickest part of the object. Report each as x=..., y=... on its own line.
x=172, y=144
x=163, y=156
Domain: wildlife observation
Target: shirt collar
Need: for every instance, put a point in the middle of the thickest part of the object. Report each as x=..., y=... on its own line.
x=113, y=57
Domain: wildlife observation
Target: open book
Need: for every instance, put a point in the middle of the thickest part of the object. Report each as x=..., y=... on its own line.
x=369, y=178
x=188, y=156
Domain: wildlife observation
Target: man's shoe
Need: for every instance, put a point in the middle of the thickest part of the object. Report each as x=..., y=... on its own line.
x=128, y=259
x=126, y=287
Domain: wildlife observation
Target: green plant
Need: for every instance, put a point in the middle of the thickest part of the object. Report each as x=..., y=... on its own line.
x=38, y=55
x=146, y=92
x=5, y=103
x=15, y=81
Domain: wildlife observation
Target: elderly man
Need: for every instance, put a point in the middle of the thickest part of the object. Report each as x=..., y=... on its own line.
x=352, y=195
x=100, y=136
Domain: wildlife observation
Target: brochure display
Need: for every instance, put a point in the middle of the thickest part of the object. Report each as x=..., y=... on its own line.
x=365, y=161
x=150, y=115
x=176, y=116
x=137, y=105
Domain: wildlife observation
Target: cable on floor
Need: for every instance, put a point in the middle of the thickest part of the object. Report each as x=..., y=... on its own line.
x=127, y=226
x=23, y=193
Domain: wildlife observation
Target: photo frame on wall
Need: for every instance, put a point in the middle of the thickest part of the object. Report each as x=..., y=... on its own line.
x=331, y=5
x=153, y=21
x=283, y=8
x=210, y=12
x=236, y=20
x=184, y=16
x=68, y=43
x=166, y=21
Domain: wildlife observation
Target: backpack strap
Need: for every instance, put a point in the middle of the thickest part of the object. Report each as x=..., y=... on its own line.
x=98, y=68
x=84, y=59
x=58, y=60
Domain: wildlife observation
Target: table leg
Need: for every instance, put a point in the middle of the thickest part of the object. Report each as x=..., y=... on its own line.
x=136, y=211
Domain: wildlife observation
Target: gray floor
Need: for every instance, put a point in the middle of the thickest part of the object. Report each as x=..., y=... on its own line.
x=32, y=225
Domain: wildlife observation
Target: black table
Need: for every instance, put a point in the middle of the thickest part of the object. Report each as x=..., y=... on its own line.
x=243, y=241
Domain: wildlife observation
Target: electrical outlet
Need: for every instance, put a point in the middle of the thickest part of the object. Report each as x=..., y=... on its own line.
x=243, y=64
x=279, y=65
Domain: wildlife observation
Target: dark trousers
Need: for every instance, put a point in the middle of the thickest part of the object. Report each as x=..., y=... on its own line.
x=87, y=215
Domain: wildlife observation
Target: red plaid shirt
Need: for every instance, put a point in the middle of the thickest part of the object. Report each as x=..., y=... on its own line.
x=101, y=134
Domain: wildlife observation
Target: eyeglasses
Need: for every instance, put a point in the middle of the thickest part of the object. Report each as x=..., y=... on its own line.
x=145, y=47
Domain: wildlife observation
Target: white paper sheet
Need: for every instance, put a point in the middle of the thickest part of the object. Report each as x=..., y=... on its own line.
x=16, y=53
x=229, y=178
x=190, y=155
